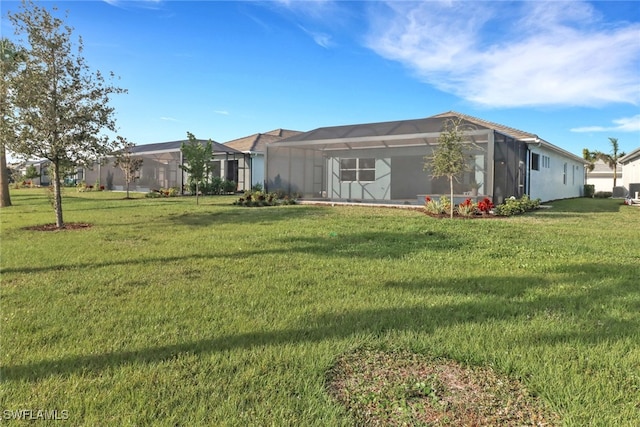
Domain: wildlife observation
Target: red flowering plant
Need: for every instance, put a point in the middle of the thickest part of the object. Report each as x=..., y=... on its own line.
x=485, y=206
x=467, y=208
x=432, y=207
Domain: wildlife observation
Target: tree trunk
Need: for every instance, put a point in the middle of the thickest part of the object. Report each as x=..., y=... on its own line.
x=197, y=192
x=127, y=189
x=57, y=195
x=451, y=192
x=5, y=198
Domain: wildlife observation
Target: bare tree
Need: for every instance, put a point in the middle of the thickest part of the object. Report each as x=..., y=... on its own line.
x=62, y=106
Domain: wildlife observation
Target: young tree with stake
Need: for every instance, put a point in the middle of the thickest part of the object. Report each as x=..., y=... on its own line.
x=124, y=159
x=449, y=157
x=197, y=158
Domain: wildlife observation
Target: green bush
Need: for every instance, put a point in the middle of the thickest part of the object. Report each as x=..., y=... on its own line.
x=229, y=186
x=603, y=194
x=260, y=198
x=513, y=206
x=589, y=190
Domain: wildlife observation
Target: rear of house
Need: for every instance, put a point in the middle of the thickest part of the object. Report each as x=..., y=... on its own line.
x=385, y=163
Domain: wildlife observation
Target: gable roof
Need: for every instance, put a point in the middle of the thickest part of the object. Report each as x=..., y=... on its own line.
x=257, y=142
x=428, y=125
x=416, y=130
x=175, y=146
x=506, y=130
x=635, y=154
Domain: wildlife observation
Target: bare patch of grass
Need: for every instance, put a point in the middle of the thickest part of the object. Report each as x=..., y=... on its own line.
x=402, y=388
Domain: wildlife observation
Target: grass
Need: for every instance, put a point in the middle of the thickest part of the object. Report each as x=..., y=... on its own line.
x=168, y=313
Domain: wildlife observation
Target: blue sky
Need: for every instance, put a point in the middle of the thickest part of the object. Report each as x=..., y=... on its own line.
x=568, y=71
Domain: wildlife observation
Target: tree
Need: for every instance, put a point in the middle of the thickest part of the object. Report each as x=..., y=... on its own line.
x=124, y=159
x=10, y=58
x=589, y=156
x=62, y=106
x=31, y=173
x=197, y=158
x=611, y=159
x=449, y=157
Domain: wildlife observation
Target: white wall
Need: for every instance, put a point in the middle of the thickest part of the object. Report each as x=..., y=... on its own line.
x=548, y=182
x=380, y=189
x=631, y=172
x=257, y=170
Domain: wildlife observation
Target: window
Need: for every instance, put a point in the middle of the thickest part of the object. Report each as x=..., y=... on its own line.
x=358, y=169
x=564, y=174
x=535, y=161
x=546, y=162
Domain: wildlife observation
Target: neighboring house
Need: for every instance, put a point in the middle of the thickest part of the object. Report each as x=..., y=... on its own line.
x=42, y=168
x=161, y=167
x=384, y=162
x=254, y=148
x=601, y=177
x=631, y=172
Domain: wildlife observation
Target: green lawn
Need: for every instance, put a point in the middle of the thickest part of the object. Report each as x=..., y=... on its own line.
x=168, y=313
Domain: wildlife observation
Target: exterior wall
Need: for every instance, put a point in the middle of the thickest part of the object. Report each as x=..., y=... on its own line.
x=356, y=190
x=548, y=183
x=257, y=169
x=601, y=177
x=631, y=172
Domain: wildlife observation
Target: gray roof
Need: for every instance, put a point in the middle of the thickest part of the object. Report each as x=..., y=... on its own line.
x=428, y=125
x=415, y=131
x=257, y=142
x=175, y=146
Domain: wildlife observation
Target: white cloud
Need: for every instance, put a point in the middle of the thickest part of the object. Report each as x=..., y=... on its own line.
x=625, y=124
x=168, y=119
x=508, y=55
x=321, y=39
x=221, y=112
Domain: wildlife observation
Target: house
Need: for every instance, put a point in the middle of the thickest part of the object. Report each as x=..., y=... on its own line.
x=41, y=168
x=385, y=162
x=161, y=167
x=601, y=177
x=631, y=173
x=254, y=148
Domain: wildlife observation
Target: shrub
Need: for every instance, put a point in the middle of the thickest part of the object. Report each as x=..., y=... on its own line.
x=513, y=206
x=589, y=190
x=436, y=207
x=485, y=206
x=229, y=186
x=259, y=198
x=603, y=194
x=466, y=208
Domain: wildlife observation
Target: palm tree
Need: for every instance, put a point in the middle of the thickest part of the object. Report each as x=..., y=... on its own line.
x=611, y=159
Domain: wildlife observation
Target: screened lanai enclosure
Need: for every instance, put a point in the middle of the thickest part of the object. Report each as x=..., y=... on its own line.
x=161, y=168
x=388, y=162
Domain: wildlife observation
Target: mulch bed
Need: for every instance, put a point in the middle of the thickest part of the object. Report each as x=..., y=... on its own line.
x=53, y=227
